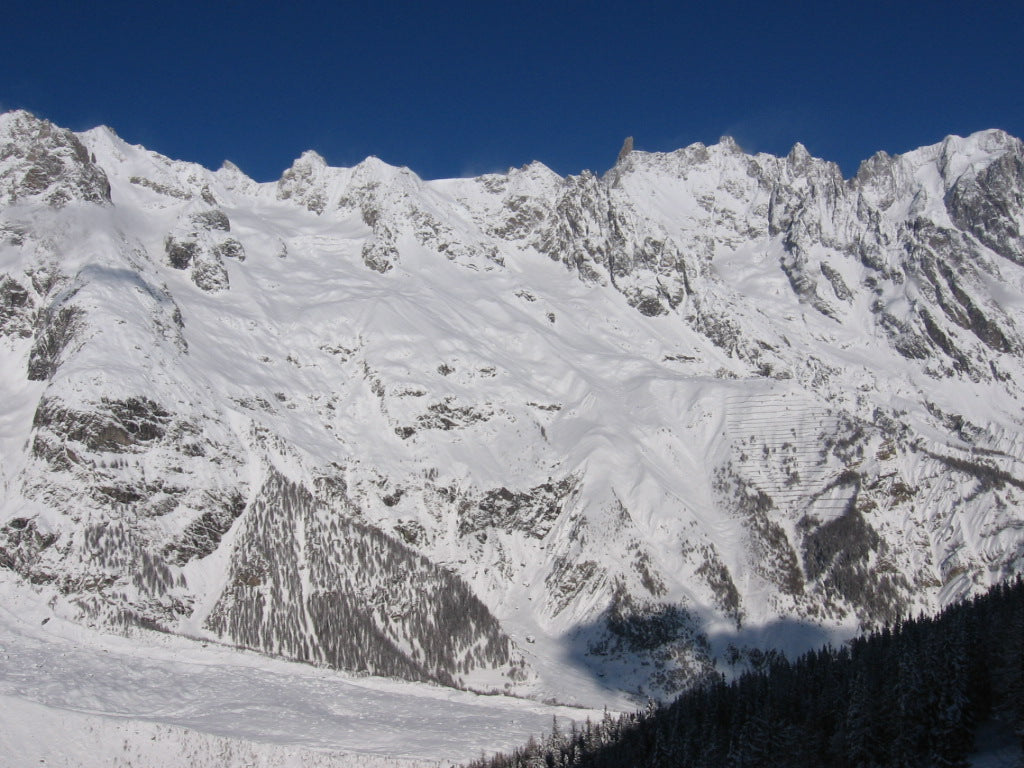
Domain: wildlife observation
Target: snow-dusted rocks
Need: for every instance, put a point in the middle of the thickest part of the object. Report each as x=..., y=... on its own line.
x=41, y=162
x=199, y=243
x=519, y=432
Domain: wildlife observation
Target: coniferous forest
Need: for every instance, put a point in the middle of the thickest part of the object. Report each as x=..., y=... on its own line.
x=910, y=695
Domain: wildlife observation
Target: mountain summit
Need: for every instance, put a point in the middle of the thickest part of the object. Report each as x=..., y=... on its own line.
x=521, y=432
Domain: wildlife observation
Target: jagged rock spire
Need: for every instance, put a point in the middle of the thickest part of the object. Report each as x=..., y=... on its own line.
x=627, y=147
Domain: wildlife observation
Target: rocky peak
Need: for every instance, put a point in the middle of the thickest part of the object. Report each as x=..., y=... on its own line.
x=728, y=144
x=235, y=179
x=627, y=147
x=376, y=173
x=992, y=143
x=798, y=156
x=319, y=187
x=875, y=177
x=988, y=202
x=310, y=159
x=305, y=182
x=40, y=161
x=621, y=162
x=534, y=172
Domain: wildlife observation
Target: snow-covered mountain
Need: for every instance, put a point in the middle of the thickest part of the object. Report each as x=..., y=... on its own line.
x=515, y=432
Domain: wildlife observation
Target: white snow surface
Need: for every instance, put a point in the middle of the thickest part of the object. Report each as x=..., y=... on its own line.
x=706, y=400
x=72, y=696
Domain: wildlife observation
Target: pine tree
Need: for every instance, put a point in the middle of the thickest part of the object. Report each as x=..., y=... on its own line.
x=860, y=727
x=911, y=726
x=953, y=727
x=906, y=698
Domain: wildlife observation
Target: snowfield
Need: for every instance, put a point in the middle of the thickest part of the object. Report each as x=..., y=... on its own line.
x=586, y=439
x=71, y=696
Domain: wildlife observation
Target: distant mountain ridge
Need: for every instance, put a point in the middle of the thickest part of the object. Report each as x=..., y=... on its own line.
x=611, y=423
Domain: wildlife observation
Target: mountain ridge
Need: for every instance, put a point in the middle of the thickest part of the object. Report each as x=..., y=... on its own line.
x=628, y=413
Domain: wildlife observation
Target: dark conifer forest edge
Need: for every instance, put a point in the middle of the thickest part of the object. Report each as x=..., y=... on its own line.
x=913, y=694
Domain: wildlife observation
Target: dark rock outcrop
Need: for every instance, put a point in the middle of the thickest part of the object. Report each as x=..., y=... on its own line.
x=38, y=160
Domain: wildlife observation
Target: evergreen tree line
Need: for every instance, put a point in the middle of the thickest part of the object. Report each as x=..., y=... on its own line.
x=909, y=695
x=315, y=586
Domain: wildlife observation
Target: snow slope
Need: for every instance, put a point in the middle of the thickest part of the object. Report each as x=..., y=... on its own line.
x=565, y=438
x=72, y=696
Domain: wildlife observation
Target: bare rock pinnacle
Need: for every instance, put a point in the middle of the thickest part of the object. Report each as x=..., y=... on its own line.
x=627, y=147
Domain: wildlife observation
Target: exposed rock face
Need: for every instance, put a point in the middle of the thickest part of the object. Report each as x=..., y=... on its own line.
x=534, y=511
x=989, y=203
x=56, y=333
x=16, y=308
x=627, y=147
x=299, y=183
x=39, y=161
x=398, y=426
x=21, y=543
x=199, y=244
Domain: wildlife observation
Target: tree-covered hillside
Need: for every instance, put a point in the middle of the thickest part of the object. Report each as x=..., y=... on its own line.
x=911, y=695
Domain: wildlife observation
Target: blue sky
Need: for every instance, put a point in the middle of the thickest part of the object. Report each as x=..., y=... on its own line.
x=459, y=88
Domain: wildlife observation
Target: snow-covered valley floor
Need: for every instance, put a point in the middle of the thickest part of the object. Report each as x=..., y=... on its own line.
x=73, y=697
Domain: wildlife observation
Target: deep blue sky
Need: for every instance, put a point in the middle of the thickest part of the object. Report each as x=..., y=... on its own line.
x=459, y=88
